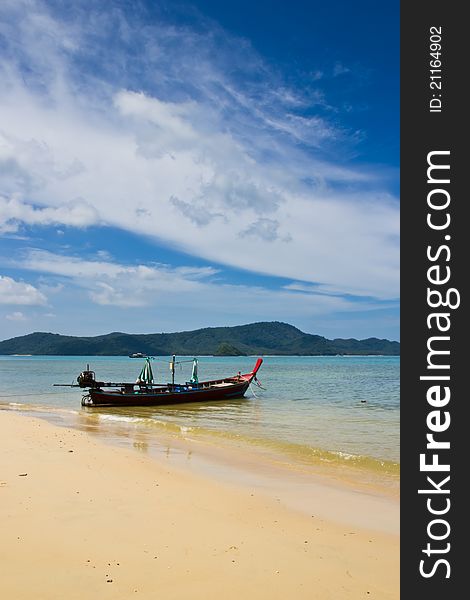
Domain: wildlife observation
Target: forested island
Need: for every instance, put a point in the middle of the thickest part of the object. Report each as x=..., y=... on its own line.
x=243, y=340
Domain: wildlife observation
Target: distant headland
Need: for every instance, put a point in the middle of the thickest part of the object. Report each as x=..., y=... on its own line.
x=243, y=340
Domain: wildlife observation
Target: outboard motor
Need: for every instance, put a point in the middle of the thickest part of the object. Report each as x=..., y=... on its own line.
x=86, y=378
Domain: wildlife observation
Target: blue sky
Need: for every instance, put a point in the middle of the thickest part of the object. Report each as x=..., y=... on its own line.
x=167, y=166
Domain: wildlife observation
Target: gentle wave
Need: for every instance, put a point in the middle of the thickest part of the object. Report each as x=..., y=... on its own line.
x=306, y=454
x=301, y=453
x=286, y=451
x=119, y=418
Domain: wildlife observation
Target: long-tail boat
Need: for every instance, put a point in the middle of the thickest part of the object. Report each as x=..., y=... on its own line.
x=144, y=392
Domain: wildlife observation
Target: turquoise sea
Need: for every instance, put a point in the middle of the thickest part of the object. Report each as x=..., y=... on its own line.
x=324, y=409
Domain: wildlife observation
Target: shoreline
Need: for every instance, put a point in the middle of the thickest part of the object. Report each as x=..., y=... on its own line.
x=77, y=512
x=229, y=451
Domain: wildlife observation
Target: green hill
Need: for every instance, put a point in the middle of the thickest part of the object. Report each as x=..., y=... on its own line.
x=255, y=338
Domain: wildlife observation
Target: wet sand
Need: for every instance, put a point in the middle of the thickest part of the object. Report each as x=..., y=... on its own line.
x=85, y=519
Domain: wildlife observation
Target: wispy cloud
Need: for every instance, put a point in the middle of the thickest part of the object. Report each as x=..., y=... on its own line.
x=340, y=69
x=191, y=139
x=111, y=283
x=16, y=316
x=107, y=282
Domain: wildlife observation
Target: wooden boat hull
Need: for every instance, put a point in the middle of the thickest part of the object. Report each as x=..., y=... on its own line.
x=206, y=391
x=118, y=398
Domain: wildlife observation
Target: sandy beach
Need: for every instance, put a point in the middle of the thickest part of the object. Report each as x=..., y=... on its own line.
x=84, y=519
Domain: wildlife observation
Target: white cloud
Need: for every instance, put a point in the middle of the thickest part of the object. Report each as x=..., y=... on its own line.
x=16, y=316
x=197, y=161
x=18, y=292
x=14, y=212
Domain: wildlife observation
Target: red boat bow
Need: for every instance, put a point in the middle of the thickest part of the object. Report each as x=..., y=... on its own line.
x=252, y=375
